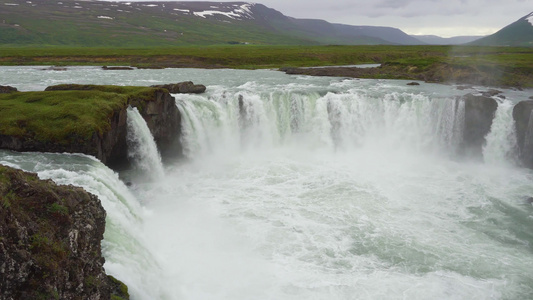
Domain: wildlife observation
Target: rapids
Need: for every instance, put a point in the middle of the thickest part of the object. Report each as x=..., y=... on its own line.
x=295, y=187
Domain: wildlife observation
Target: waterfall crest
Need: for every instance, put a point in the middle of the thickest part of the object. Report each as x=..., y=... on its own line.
x=240, y=120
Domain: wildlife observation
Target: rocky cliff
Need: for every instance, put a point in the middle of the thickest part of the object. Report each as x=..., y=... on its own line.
x=479, y=114
x=86, y=119
x=50, y=241
x=523, y=116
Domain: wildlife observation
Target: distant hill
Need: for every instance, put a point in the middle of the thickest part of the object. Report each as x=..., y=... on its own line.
x=437, y=40
x=134, y=24
x=519, y=33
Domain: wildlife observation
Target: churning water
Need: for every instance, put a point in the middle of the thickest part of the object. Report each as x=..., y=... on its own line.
x=309, y=188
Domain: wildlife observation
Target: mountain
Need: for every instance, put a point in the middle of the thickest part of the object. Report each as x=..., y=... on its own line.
x=437, y=40
x=134, y=24
x=519, y=33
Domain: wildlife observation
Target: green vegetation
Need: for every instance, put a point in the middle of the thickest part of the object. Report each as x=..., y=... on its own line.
x=65, y=116
x=49, y=23
x=252, y=57
x=38, y=226
x=120, y=290
x=56, y=208
x=508, y=66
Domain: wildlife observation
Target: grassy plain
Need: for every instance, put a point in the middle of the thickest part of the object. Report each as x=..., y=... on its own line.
x=508, y=62
x=64, y=116
x=252, y=56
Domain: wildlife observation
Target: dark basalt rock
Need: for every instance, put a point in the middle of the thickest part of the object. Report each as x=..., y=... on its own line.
x=413, y=83
x=117, y=68
x=187, y=87
x=491, y=92
x=164, y=121
x=479, y=113
x=464, y=87
x=523, y=116
x=4, y=89
x=54, y=69
x=50, y=239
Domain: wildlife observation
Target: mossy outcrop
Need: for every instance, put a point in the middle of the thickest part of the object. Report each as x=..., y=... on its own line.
x=4, y=89
x=88, y=119
x=186, y=87
x=484, y=74
x=50, y=239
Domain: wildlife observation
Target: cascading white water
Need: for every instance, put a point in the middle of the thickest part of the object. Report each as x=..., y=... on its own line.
x=123, y=247
x=315, y=188
x=142, y=149
x=334, y=121
x=501, y=143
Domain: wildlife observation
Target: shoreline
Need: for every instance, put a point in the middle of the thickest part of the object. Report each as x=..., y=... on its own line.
x=443, y=74
x=489, y=66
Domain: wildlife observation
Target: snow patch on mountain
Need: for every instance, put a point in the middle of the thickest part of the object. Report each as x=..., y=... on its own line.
x=530, y=19
x=236, y=12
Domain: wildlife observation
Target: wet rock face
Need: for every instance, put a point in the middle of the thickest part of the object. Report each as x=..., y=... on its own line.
x=164, y=121
x=479, y=113
x=50, y=241
x=523, y=116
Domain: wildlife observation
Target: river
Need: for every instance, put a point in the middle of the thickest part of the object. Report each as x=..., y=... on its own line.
x=296, y=187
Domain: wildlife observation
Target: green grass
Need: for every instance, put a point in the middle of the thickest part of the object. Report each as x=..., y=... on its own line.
x=514, y=65
x=64, y=116
x=253, y=56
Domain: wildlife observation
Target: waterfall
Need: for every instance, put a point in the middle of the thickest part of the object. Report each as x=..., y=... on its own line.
x=240, y=120
x=501, y=143
x=127, y=256
x=142, y=149
x=300, y=187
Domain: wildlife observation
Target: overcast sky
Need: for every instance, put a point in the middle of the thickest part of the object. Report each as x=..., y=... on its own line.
x=437, y=17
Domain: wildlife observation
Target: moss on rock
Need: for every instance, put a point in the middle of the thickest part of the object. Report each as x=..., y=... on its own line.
x=50, y=245
x=88, y=119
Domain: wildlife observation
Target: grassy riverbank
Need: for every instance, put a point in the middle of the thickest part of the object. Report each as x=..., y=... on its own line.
x=513, y=66
x=64, y=116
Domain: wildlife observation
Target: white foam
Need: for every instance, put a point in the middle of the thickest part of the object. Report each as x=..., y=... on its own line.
x=105, y=17
x=150, y=5
x=183, y=10
x=11, y=4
